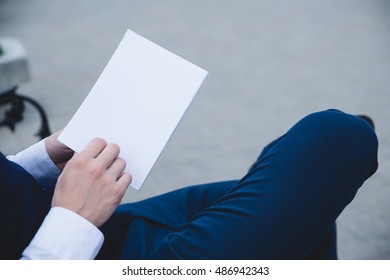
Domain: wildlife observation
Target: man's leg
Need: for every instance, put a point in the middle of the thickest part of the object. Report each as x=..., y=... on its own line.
x=136, y=228
x=326, y=248
x=284, y=208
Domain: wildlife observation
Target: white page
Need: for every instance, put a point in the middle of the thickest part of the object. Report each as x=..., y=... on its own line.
x=137, y=102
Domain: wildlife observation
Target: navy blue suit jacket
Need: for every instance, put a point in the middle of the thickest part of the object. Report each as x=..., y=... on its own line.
x=23, y=206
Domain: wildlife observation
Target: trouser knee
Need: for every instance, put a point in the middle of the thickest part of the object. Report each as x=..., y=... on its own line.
x=346, y=135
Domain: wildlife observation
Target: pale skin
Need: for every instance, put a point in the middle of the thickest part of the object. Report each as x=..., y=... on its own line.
x=92, y=182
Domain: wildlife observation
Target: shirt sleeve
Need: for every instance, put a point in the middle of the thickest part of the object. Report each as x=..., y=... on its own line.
x=64, y=235
x=37, y=162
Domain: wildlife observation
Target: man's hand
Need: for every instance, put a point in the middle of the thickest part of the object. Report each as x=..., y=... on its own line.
x=58, y=152
x=92, y=184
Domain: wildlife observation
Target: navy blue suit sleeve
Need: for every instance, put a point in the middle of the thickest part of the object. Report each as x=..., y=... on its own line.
x=23, y=207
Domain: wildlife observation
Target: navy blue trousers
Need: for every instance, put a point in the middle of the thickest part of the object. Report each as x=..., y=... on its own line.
x=284, y=208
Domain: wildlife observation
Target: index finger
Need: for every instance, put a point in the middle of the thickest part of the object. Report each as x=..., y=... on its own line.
x=94, y=148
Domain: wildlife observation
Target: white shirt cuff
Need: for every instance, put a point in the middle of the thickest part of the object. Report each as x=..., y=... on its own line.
x=37, y=162
x=64, y=235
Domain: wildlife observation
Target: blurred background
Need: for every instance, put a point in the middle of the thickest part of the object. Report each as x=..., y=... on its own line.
x=271, y=62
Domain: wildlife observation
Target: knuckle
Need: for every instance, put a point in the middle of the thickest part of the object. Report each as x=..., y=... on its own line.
x=125, y=180
x=118, y=193
x=77, y=162
x=121, y=162
x=99, y=141
x=128, y=178
x=96, y=170
x=114, y=147
x=106, y=181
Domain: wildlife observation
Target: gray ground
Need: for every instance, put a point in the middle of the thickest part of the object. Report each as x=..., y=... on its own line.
x=270, y=61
